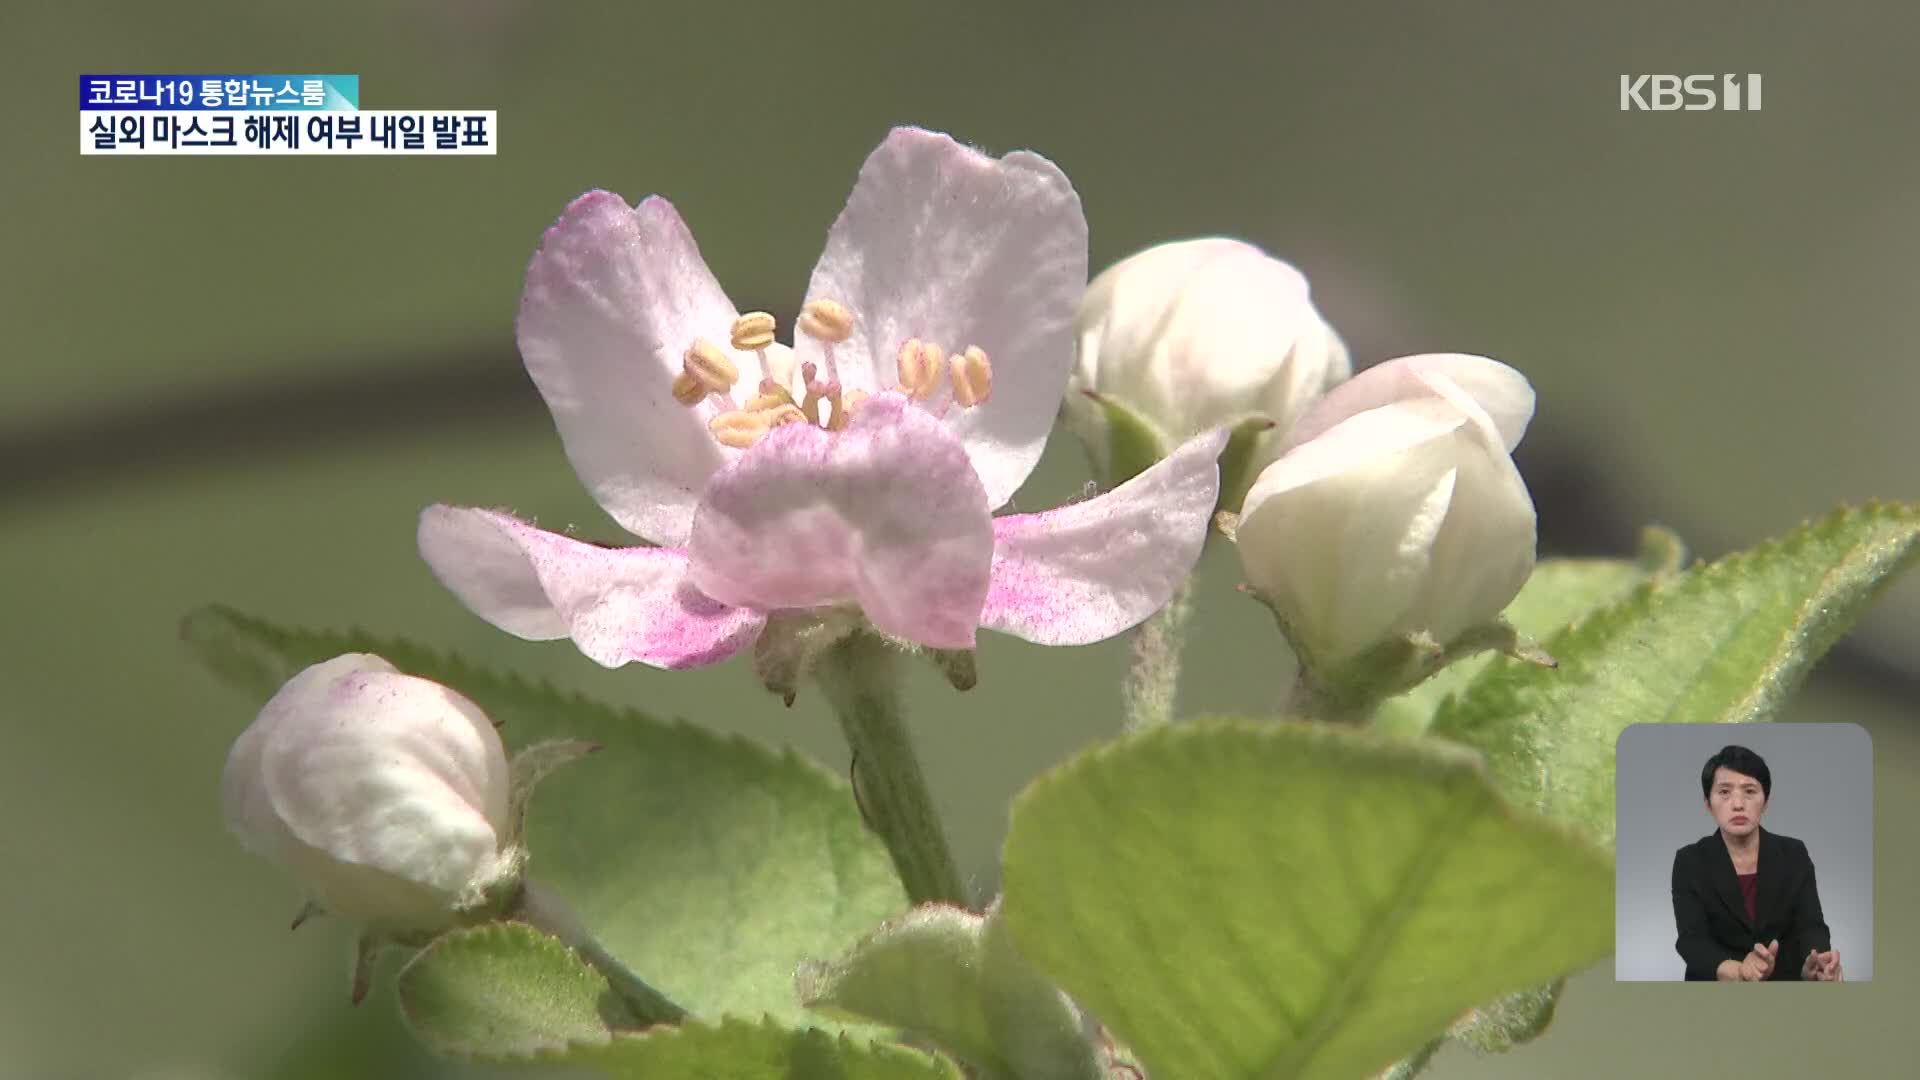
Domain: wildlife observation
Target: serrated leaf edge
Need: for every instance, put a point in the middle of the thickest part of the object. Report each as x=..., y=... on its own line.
x=1604, y=621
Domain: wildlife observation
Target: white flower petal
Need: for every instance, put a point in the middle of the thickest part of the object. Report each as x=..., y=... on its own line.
x=384, y=794
x=1498, y=390
x=1339, y=533
x=1200, y=333
x=1485, y=550
x=613, y=299
x=940, y=242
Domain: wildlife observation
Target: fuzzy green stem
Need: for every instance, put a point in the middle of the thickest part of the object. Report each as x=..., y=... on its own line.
x=543, y=909
x=1153, y=671
x=1311, y=701
x=861, y=679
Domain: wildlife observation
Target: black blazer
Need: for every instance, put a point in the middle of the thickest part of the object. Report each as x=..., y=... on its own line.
x=1712, y=918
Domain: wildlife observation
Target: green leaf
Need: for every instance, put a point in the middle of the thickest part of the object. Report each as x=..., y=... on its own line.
x=1122, y=443
x=737, y=1050
x=709, y=865
x=955, y=979
x=1559, y=592
x=506, y=990
x=1238, y=460
x=1277, y=901
x=1719, y=643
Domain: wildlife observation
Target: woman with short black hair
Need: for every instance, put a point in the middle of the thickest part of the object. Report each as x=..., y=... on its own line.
x=1744, y=899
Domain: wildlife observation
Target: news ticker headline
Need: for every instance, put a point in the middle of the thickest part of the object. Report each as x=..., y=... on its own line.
x=266, y=114
x=369, y=131
x=216, y=93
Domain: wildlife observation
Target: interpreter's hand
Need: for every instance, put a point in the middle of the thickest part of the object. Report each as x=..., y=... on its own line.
x=1821, y=966
x=1759, y=963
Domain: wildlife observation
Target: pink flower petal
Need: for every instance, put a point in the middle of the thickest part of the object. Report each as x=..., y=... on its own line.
x=617, y=604
x=613, y=298
x=887, y=515
x=1503, y=394
x=943, y=243
x=1089, y=570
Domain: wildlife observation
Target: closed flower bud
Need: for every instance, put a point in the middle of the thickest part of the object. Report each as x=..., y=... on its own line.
x=1196, y=335
x=1395, y=511
x=383, y=795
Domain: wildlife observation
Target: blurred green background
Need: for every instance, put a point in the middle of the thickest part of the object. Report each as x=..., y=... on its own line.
x=239, y=379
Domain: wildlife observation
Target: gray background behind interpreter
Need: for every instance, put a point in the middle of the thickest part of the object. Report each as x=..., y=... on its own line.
x=1822, y=795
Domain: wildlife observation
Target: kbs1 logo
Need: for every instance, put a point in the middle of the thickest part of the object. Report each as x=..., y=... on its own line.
x=1694, y=93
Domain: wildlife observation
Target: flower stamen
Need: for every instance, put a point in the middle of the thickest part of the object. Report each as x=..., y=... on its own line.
x=818, y=399
x=827, y=321
x=851, y=400
x=920, y=366
x=712, y=367
x=785, y=414
x=688, y=390
x=972, y=377
x=771, y=396
x=738, y=429
x=830, y=323
x=752, y=332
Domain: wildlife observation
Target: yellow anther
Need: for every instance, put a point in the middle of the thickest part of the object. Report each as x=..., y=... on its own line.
x=972, y=377
x=714, y=369
x=688, y=390
x=843, y=409
x=909, y=364
x=738, y=428
x=920, y=367
x=768, y=400
x=751, y=331
x=785, y=414
x=826, y=320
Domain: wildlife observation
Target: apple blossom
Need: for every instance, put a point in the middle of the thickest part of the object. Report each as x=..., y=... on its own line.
x=851, y=477
x=1193, y=335
x=384, y=795
x=1395, y=510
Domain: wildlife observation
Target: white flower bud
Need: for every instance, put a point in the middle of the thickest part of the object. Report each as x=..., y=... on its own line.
x=1198, y=334
x=1395, y=509
x=383, y=795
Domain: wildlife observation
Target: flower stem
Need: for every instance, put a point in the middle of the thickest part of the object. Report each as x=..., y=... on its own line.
x=1312, y=701
x=861, y=679
x=1153, y=673
x=543, y=909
